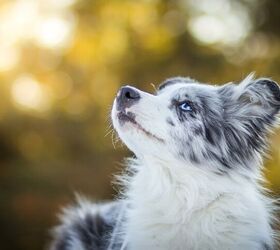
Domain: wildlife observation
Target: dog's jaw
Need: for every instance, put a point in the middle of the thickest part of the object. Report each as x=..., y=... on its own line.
x=125, y=120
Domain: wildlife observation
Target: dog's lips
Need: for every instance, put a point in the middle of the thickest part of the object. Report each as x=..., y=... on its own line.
x=124, y=117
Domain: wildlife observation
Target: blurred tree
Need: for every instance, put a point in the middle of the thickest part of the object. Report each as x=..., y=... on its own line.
x=61, y=63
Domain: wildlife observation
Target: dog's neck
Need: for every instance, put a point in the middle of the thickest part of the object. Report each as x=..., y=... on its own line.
x=186, y=186
x=171, y=200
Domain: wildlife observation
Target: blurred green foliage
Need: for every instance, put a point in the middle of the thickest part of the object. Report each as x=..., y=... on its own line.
x=61, y=63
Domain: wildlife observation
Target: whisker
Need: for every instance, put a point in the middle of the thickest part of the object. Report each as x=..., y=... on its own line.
x=154, y=86
x=109, y=132
x=115, y=138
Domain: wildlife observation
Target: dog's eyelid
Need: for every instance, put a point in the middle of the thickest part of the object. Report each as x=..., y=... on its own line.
x=185, y=100
x=177, y=101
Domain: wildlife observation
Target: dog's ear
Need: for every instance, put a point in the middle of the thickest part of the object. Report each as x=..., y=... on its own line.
x=260, y=95
x=253, y=99
x=249, y=110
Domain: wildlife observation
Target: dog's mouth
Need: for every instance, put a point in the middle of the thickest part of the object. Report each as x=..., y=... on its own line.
x=130, y=117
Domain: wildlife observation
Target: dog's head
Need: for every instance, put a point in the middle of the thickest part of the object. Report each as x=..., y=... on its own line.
x=216, y=126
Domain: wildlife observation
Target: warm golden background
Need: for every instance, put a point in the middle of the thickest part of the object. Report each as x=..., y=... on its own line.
x=61, y=63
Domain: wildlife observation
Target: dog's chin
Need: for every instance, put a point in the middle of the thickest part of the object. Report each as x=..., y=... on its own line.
x=126, y=118
x=127, y=122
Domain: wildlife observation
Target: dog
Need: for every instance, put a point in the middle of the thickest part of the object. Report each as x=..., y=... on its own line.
x=196, y=180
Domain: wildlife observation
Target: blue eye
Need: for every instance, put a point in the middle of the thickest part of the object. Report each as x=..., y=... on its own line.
x=185, y=106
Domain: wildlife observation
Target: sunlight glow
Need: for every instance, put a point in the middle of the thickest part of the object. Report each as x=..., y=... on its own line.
x=53, y=32
x=17, y=20
x=28, y=93
x=47, y=23
x=9, y=57
x=208, y=29
x=223, y=21
x=60, y=4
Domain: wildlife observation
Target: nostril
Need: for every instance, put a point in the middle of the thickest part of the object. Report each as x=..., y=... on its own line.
x=127, y=95
x=130, y=93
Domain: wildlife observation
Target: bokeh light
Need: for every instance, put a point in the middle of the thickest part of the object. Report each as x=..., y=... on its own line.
x=54, y=32
x=29, y=93
x=61, y=64
x=224, y=21
x=9, y=57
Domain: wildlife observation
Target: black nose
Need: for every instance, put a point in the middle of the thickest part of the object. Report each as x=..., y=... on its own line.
x=127, y=96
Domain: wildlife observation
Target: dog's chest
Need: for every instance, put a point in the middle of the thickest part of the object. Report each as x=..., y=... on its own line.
x=166, y=225
x=165, y=216
x=200, y=231
x=166, y=231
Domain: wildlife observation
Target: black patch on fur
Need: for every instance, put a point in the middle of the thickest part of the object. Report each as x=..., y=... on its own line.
x=273, y=87
x=191, y=114
x=198, y=131
x=174, y=80
x=242, y=146
x=193, y=157
x=63, y=242
x=182, y=154
x=211, y=119
x=265, y=246
x=209, y=136
x=170, y=122
x=222, y=160
x=91, y=231
x=221, y=172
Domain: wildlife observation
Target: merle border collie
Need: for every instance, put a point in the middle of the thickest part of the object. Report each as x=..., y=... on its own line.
x=196, y=181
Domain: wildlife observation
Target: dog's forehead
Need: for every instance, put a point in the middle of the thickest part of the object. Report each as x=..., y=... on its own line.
x=191, y=88
x=175, y=80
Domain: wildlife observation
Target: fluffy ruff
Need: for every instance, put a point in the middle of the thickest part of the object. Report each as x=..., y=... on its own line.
x=196, y=182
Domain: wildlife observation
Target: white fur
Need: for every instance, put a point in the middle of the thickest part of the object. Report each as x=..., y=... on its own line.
x=177, y=209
